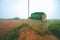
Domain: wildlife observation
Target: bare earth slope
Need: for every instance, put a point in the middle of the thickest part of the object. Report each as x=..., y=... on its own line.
x=6, y=25
x=27, y=33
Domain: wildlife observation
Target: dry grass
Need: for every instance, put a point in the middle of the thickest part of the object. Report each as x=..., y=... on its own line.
x=37, y=25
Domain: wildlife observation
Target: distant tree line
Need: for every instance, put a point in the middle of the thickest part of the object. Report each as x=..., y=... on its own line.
x=15, y=18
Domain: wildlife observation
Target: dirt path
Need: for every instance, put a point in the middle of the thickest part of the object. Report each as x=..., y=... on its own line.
x=27, y=33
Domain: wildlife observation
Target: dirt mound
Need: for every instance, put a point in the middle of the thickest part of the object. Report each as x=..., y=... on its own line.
x=27, y=33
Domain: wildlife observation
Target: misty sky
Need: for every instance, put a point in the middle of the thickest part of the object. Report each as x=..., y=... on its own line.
x=19, y=8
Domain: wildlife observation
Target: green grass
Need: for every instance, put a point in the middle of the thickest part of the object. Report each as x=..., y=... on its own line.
x=54, y=27
x=13, y=34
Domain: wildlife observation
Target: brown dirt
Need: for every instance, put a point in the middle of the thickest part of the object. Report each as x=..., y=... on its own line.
x=6, y=25
x=27, y=33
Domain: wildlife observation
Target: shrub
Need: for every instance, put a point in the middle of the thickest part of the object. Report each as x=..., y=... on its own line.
x=16, y=18
x=37, y=15
x=37, y=25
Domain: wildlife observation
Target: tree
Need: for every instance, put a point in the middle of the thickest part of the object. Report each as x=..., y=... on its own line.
x=37, y=15
x=16, y=18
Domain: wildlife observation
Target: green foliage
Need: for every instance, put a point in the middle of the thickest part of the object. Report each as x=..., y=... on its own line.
x=54, y=27
x=37, y=15
x=16, y=18
x=13, y=34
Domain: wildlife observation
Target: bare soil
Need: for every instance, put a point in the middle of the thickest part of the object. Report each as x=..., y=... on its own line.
x=27, y=33
x=6, y=25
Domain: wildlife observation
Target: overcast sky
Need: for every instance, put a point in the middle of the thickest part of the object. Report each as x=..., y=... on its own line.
x=19, y=8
